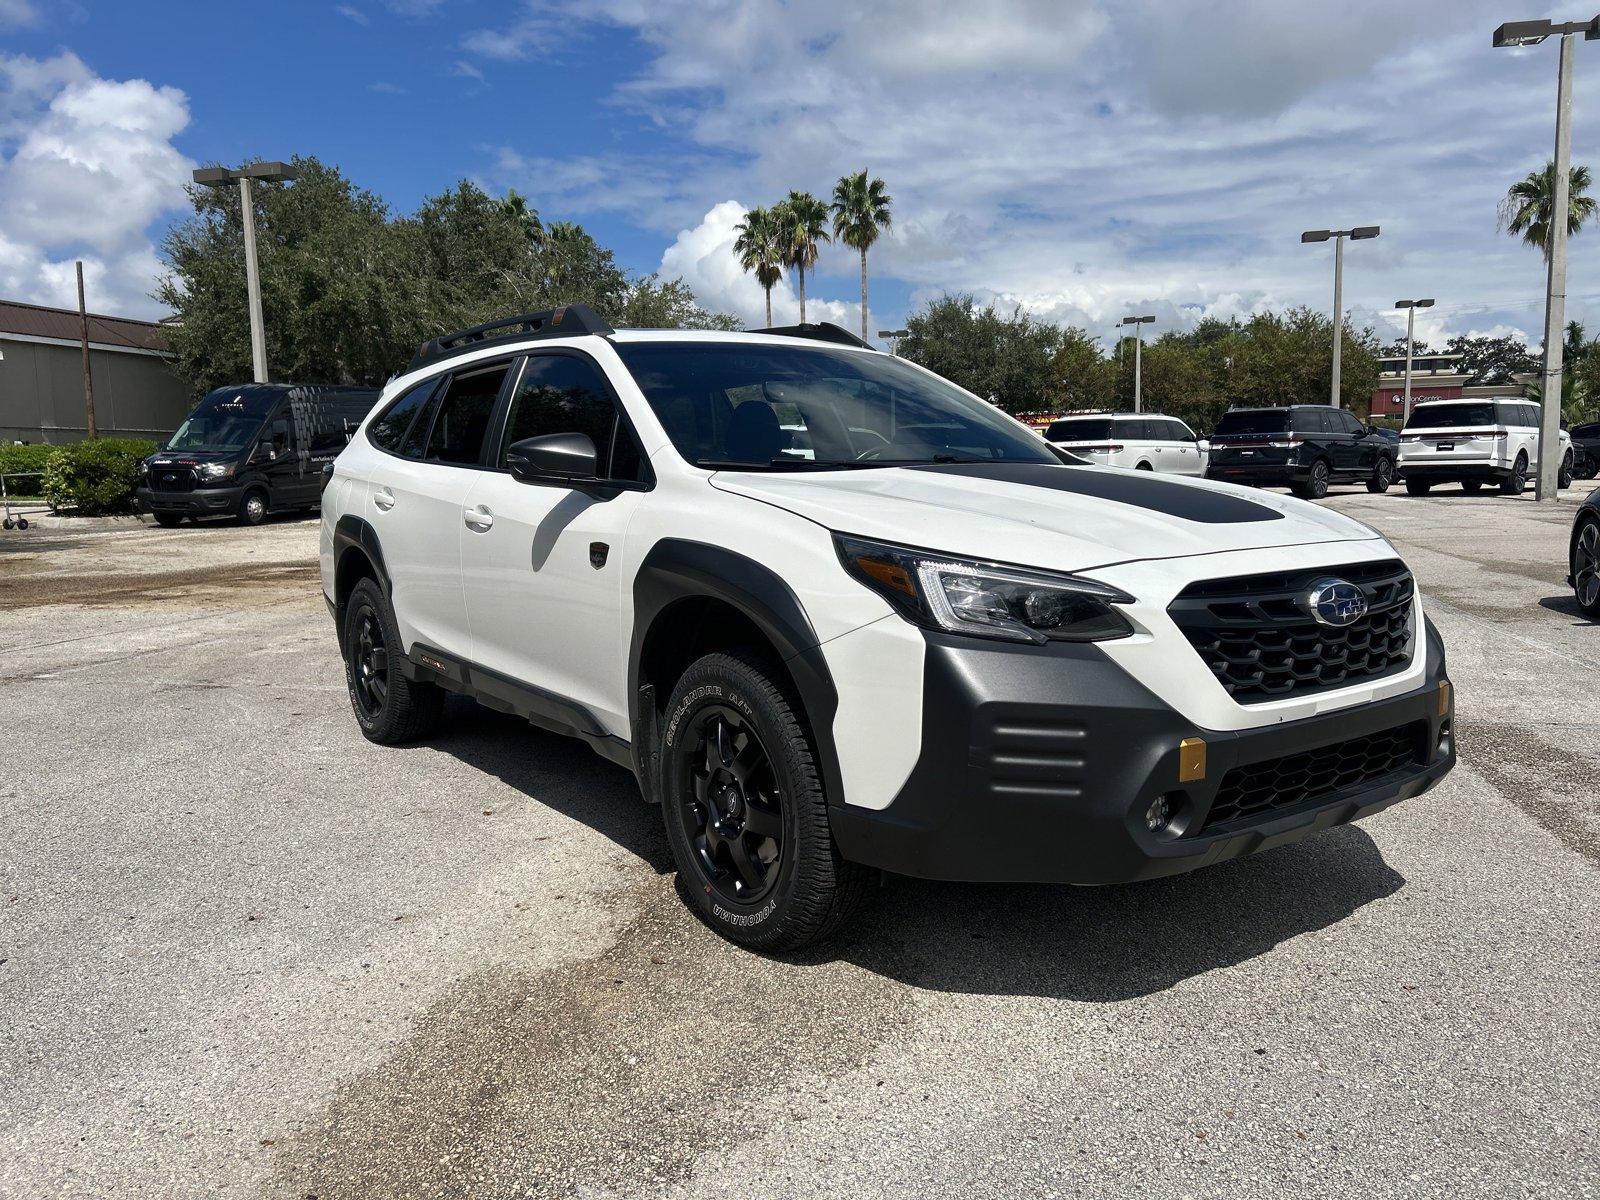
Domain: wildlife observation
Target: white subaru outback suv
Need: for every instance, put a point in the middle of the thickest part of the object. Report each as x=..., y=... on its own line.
x=837, y=615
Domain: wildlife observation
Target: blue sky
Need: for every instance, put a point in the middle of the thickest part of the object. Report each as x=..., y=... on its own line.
x=1082, y=160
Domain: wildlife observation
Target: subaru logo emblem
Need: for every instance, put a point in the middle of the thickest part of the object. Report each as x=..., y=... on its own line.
x=1336, y=602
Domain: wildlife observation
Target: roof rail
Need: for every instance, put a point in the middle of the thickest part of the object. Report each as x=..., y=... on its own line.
x=826, y=331
x=574, y=320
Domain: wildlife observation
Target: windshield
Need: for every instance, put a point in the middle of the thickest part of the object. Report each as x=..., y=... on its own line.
x=227, y=419
x=1089, y=429
x=1253, y=420
x=1451, y=416
x=755, y=407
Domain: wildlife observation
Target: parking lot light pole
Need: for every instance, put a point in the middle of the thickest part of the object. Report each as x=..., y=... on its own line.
x=1359, y=233
x=1411, y=307
x=1531, y=33
x=270, y=172
x=1138, y=324
x=893, y=336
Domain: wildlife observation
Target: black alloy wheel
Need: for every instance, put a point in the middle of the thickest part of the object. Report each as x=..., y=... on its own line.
x=389, y=707
x=369, y=662
x=733, y=814
x=1316, y=485
x=1382, y=475
x=1586, y=567
x=1564, y=472
x=1514, y=483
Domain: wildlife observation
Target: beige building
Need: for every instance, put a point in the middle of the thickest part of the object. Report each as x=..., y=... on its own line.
x=136, y=393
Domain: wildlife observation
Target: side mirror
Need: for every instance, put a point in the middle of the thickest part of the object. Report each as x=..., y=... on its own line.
x=554, y=459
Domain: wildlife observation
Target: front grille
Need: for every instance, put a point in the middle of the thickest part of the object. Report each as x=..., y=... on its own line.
x=1259, y=638
x=1264, y=789
x=171, y=479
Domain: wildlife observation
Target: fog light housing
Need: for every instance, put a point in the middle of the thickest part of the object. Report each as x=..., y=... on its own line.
x=1158, y=814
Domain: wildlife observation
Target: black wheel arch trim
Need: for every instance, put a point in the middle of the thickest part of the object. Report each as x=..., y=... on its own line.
x=678, y=569
x=351, y=533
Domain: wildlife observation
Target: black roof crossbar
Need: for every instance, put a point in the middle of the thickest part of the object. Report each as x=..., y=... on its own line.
x=827, y=331
x=574, y=320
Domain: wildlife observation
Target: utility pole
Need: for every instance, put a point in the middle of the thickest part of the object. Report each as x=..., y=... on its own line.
x=83, y=340
x=1411, y=307
x=1360, y=233
x=1531, y=33
x=1138, y=324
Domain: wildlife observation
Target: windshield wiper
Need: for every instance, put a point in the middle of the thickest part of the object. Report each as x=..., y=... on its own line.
x=785, y=464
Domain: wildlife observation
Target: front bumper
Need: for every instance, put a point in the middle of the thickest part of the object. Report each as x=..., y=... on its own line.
x=201, y=502
x=1040, y=763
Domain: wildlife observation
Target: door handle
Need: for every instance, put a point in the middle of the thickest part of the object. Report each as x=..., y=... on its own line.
x=384, y=499
x=479, y=518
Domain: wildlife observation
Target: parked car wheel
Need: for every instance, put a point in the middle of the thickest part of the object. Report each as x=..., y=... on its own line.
x=1586, y=566
x=389, y=707
x=1514, y=483
x=1564, y=475
x=1418, y=487
x=168, y=520
x=745, y=811
x=1315, y=486
x=253, y=507
x=1382, y=475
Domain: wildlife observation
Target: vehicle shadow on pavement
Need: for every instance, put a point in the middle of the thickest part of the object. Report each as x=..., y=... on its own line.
x=1113, y=943
x=1567, y=606
x=560, y=773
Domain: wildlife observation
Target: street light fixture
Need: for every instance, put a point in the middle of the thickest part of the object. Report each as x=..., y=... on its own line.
x=1411, y=307
x=1531, y=33
x=893, y=337
x=267, y=172
x=1138, y=324
x=1359, y=234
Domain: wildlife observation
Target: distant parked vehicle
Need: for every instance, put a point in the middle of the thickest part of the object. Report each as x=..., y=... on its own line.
x=1304, y=447
x=249, y=450
x=1141, y=442
x=1583, y=556
x=1586, y=450
x=1474, y=442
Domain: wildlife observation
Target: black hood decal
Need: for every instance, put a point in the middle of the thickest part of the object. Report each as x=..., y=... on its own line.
x=1136, y=489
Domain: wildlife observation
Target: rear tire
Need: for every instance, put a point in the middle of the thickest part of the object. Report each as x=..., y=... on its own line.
x=1315, y=486
x=1471, y=486
x=390, y=708
x=1418, y=487
x=745, y=810
x=1514, y=483
x=1585, y=563
x=1382, y=475
x=1564, y=475
x=168, y=520
x=252, y=507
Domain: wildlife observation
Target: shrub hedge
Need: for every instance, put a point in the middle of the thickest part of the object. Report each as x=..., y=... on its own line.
x=32, y=457
x=93, y=478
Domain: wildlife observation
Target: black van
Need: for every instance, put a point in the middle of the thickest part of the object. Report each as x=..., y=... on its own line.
x=1303, y=447
x=249, y=450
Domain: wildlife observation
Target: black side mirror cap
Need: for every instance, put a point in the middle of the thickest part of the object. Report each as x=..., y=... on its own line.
x=554, y=459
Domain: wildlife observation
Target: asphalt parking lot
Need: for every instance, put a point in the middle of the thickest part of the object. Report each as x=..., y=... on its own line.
x=243, y=952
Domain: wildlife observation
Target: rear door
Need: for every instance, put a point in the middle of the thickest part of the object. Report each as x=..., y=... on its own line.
x=1183, y=449
x=1361, y=452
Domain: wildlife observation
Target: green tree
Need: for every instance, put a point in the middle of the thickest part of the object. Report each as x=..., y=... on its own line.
x=803, y=220
x=1080, y=375
x=1527, y=210
x=1492, y=360
x=1005, y=359
x=759, y=247
x=860, y=214
x=1287, y=358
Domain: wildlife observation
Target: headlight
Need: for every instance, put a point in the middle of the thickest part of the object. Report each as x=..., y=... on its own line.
x=214, y=470
x=986, y=599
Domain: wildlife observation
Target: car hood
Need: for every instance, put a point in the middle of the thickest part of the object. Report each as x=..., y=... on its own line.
x=1063, y=518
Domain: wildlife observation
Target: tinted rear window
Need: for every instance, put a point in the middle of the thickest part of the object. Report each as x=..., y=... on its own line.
x=1257, y=420
x=1451, y=416
x=1088, y=429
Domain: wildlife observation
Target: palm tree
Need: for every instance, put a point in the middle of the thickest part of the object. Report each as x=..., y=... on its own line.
x=803, y=220
x=860, y=213
x=759, y=248
x=1526, y=209
x=516, y=206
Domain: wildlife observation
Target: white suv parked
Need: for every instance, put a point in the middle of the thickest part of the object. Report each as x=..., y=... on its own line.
x=1141, y=442
x=837, y=614
x=1474, y=442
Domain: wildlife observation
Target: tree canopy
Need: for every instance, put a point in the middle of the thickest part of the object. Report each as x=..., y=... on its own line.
x=349, y=290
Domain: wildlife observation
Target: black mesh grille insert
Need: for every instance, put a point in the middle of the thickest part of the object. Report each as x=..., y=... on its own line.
x=171, y=479
x=1259, y=638
x=1264, y=789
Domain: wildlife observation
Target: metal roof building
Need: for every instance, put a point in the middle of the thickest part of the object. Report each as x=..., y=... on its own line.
x=136, y=393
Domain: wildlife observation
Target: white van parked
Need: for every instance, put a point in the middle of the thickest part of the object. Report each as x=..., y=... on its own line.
x=1474, y=442
x=1141, y=442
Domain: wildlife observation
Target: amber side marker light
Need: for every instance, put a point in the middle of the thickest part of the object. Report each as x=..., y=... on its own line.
x=1191, y=760
x=1444, y=698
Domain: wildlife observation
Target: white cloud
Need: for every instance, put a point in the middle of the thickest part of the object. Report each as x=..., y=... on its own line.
x=18, y=13
x=91, y=166
x=351, y=13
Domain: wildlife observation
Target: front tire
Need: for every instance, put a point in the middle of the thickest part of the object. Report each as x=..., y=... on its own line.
x=1382, y=475
x=1418, y=487
x=252, y=507
x=168, y=520
x=1586, y=567
x=1564, y=475
x=745, y=811
x=390, y=708
x=1315, y=486
x=1514, y=483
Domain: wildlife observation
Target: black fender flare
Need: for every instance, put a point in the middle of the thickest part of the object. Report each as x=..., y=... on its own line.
x=351, y=532
x=677, y=569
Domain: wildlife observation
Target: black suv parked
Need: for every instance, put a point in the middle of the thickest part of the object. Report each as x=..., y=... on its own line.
x=251, y=449
x=1304, y=447
x=1586, y=450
